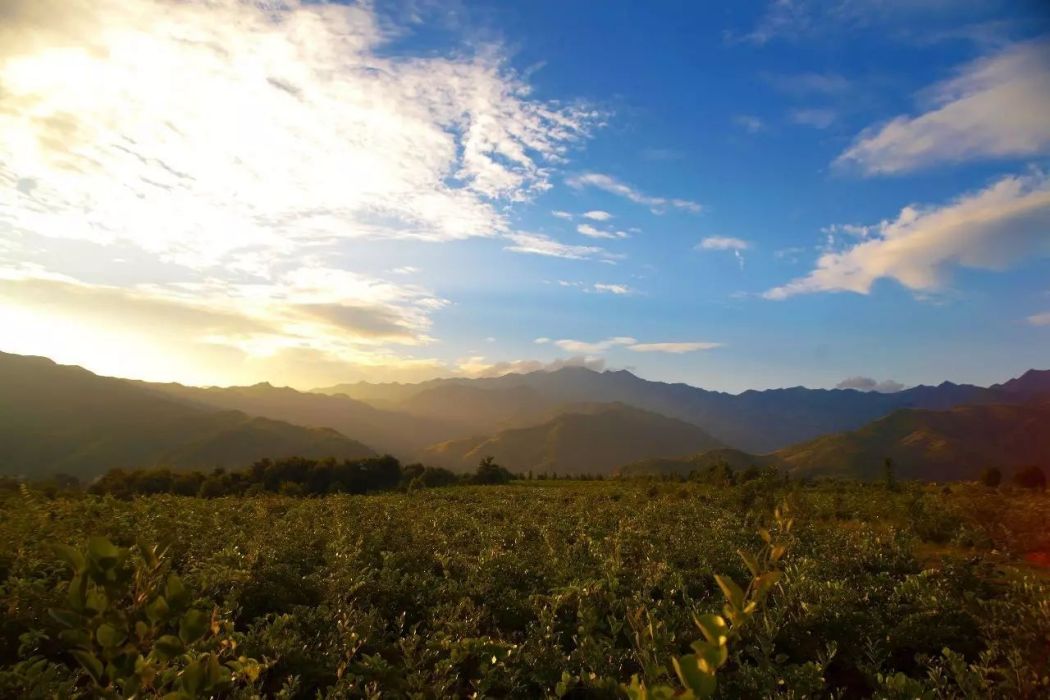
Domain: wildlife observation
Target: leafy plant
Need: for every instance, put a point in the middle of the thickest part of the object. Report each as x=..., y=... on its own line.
x=133, y=629
x=698, y=671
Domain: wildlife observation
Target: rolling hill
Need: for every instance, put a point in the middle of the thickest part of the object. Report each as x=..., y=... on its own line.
x=950, y=445
x=946, y=445
x=59, y=418
x=592, y=440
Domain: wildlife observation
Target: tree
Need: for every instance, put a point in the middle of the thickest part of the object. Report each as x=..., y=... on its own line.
x=1030, y=477
x=888, y=475
x=991, y=477
x=491, y=473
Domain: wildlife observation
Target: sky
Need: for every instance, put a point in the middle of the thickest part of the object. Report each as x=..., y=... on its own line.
x=734, y=195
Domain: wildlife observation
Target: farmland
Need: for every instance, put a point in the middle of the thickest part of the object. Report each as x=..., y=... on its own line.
x=568, y=588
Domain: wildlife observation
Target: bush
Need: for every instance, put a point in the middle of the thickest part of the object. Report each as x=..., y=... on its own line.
x=991, y=477
x=1030, y=477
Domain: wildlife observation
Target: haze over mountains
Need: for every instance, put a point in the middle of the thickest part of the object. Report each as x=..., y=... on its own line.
x=753, y=421
x=57, y=418
x=570, y=421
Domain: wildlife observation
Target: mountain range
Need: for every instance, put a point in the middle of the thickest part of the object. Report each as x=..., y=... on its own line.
x=57, y=418
x=753, y=421
x=573, y=420
x=953, y=444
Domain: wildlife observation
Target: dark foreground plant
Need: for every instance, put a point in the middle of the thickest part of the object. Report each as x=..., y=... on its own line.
x=133, y=629
x=698, y=672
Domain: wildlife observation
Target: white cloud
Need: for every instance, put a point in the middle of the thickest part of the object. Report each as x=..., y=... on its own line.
x=592, y=232
x=618, y=289
x=233, y=149
x=597, y=215
x=749, y=123
x=1041, y=319
x=562, y=215
x=723, y=243
x=629, y=343
x=996, y=107
x=580, y=346
x=888, y=386
x=736, y=245
x=542, y=341
x=816, y=118
x=610, y=184
x=479, y=366
x=675, y=348
x=539, y=244
x=989, y=229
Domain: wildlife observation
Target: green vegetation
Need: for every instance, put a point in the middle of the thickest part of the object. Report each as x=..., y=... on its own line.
x=534, y=589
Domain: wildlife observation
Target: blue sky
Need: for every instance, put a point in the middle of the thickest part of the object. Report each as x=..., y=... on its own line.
x=752, y=196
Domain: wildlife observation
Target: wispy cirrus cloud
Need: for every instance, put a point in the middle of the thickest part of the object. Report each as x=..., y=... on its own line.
x=608, y=288
x=815, y=117
x=989, y=229
x=597, y=215
x=1040, y=319
x=749, y=123
x=673, y=348
x=595, y=347
x=601, y=346
x=995, y=107
x=593, y=232
x=540, y=244
x=726, y=243
x=611, y=185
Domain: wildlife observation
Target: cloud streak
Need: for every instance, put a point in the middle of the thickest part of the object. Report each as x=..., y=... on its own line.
x=990, y=229
x=609, y=184
x=995, y=107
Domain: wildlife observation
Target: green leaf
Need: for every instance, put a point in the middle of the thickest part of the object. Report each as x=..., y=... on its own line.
x=176, y=593
x=96, y=601
x=193, y=678
x=193, y=625
x=751, y=561
x=109, y=636
x=700, y=682
x=89, y=662
x=767, y=580
x=103, y=552
x=71, y=556
x=157, y=610
x=77, y=592
x=75, y=638
x=713, y=627
x=67, y=617
x=733, y=593
x=168, y=647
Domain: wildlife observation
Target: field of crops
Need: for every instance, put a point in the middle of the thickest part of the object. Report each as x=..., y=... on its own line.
x=535, y=589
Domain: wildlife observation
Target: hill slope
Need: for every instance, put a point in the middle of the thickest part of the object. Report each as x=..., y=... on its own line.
x=58, y=418
x=591, y=441
x=931, y=445
x=950, y=445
